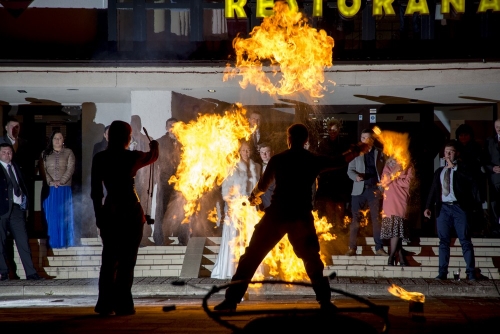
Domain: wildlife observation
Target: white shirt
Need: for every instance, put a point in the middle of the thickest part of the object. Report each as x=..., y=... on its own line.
x=17, y=199
x=451, y=196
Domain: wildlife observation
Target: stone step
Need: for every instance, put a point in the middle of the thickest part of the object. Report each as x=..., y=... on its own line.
x=172, y=270
x=97, y=241
x=481, y=261
x=430, y=250
x=151, y=260
x=397, y=272
x=97, y=250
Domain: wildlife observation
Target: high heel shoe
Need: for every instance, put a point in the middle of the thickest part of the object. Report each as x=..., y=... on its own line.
x=402, y=260
x=390, y=261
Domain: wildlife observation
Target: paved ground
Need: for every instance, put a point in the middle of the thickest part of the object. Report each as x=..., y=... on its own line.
x=260, y=315
x=66, y=306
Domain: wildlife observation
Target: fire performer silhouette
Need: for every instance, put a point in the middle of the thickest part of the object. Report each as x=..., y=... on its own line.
x=120, y=219
x=294, y=172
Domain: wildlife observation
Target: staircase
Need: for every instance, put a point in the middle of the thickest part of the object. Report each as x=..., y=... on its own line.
x=422, y=256
x=167, y=261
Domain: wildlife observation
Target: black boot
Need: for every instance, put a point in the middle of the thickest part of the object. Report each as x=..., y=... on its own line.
x=390, y=261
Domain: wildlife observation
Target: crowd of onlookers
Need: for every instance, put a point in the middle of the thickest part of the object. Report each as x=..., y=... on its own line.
x=373, y=183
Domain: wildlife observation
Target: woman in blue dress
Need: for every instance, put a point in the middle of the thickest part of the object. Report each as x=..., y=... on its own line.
x=58, y=165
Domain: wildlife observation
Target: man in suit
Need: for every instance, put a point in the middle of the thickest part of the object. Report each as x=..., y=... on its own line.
x=334, y=187
x=258, y=136
x=13, y=205
x=452, y=192
x=24, y=160
x=168, y=160
x=266, y=152
x=101, y=146
x=492, y=164
x=365, y=171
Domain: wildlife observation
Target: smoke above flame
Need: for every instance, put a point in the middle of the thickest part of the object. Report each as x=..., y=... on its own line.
x=295, y=50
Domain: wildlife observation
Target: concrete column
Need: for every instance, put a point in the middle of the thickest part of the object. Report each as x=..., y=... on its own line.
x=153, y=108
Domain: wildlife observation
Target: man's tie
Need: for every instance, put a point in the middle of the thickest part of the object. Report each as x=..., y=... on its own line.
x=15, y=185
x=446, y=182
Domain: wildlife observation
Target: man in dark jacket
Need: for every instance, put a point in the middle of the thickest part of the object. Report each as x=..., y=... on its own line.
x=13, y=205
x=120, y=219
x=492, y=166
x=452, y=192
x=293, y=171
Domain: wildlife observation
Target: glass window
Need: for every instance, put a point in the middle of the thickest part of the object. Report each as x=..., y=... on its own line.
x=125, y=24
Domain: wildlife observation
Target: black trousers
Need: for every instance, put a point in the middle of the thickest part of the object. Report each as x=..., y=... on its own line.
x=120, y=246
x=15, y=222
x=268, y=232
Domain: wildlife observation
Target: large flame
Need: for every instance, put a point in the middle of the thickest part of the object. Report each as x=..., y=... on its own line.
x=300, y=52
x=282, y=261
x=209, y=151
x=405, y=295
x=396, y=145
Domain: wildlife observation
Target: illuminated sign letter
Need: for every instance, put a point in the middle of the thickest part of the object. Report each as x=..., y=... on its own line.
x=317, y=8
x=459, y=6
x=292, y=4
x=349, y=11
x=237, y=7
x=414, y=6
x=386, y=5
x=264, y=8
x=485, y=5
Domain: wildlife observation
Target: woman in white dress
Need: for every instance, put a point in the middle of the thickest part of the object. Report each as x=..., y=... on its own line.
x=243, y=179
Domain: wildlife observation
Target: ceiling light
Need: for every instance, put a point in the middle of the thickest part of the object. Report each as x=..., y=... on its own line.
x=22, y=91
x=316, y=101
x=211, y=90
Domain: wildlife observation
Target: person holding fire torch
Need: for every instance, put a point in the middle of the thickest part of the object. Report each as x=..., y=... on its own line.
x=120, y=219
x=294, y=171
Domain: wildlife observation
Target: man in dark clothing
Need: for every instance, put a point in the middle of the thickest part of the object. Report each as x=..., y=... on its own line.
x=266, y=152
x=492, y=166
x=452, y=191
x=365, y=171
x=101, y=146
x=13, y=205
x=334, y=187
x=24, y=159
x=293, y=171
x=168, y=160
x=120, y=219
